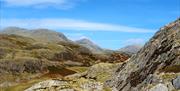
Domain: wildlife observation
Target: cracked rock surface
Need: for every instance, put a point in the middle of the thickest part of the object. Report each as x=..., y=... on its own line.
x=160, y=55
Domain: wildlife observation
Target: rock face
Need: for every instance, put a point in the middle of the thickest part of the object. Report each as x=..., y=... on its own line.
x=160, y=54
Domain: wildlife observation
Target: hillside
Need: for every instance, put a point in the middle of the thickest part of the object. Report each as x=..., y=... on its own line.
x=23, y=59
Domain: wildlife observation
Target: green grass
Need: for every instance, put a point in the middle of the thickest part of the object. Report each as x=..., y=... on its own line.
x=103, y=77
x=169, y=76
x=78, y=69
x=107, y=89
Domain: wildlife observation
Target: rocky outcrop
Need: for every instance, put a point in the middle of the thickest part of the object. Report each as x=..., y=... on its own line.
x=161, y=52
x=67, y=85
x=47, y=84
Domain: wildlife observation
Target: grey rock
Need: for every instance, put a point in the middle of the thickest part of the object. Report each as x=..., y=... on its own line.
x=67, y=85
x=159, y=87
x=176, y=82
x=46, y=84
x=92, y=86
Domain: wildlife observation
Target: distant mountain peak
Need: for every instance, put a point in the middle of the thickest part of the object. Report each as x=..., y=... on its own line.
x=90, y=45
x=85, y=40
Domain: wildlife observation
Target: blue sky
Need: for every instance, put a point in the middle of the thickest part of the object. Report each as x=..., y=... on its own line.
x=111, y=24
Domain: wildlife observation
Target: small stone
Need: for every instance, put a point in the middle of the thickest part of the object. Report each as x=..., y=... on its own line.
x=176, y=82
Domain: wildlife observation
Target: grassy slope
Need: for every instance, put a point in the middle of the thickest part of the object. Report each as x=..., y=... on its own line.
x=15, y=48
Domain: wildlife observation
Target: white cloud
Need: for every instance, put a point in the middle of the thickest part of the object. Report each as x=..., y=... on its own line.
x=74, y=36
x=70, y=24
x=62, y=4
x=84, y=37
x=77, y=36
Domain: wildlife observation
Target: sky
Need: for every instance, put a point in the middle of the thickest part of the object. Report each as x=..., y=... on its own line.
x=111, y=24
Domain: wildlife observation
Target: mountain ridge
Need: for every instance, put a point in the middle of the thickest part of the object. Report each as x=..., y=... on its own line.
x=40, y=34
